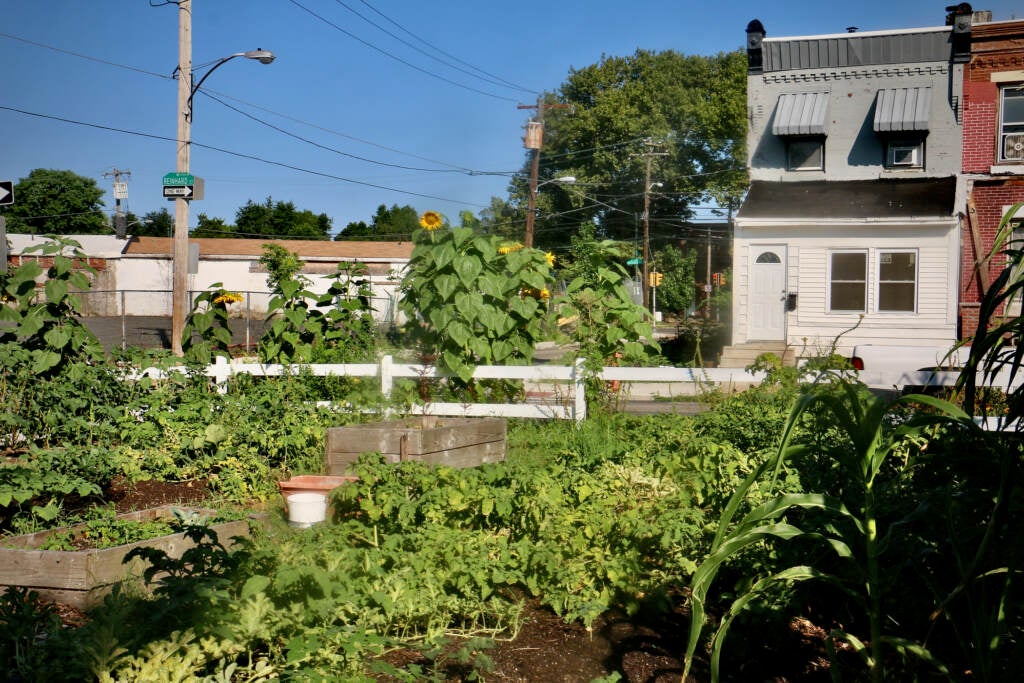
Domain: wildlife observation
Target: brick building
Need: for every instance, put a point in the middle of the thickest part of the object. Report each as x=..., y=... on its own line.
x=993, y=152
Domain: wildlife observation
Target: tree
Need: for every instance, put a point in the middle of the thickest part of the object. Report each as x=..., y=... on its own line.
x=213, y=227
x=676, y=290
x=153, y=224
x=57, y=202
x=686, y=114
x=279, y=220
x=394, y=224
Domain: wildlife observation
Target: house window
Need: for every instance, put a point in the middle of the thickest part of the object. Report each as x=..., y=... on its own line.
x=848, y=281
x=1011, y=124
x=897, y=281
x=805, y=154
x=904, y=154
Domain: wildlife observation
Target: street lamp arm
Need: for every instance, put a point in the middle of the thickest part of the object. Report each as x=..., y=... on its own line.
x=262, y=56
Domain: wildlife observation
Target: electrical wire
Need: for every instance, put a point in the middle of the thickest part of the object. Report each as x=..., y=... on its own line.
x=241, y=155
x=493, y=80
x=397, y=58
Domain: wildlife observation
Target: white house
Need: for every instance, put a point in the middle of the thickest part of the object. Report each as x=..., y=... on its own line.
x=848, y=230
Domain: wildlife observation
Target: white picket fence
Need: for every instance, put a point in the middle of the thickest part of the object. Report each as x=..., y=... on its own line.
x=553, y=391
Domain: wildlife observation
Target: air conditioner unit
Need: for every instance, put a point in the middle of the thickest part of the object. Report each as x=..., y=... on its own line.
x=1013, y=147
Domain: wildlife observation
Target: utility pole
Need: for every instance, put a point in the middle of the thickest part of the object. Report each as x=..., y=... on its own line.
x=179, y=254
x=120, y=192
x=534, y=143
x=650, y=154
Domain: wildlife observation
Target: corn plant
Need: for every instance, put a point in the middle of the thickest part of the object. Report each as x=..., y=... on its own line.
x=878, y=439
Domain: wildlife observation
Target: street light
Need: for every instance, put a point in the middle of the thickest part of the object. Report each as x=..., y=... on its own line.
x=531, y=204
x=186, y=91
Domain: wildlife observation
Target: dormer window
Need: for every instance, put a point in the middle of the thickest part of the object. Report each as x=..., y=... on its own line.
x=901, y=121
x=800, y=120
x=1011, y=124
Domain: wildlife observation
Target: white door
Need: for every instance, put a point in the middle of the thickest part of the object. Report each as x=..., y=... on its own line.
x=767, y=308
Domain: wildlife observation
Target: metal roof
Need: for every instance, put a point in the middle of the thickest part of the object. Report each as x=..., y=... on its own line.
x=857, y=49
x=850, y=200
x=902, y=109
x=802, y=113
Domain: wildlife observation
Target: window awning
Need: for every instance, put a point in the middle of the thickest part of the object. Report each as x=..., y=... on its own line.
x=801, y=113
x=900, y=110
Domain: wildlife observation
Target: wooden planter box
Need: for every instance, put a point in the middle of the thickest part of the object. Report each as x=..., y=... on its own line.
x=82, y=577
x=455, y=442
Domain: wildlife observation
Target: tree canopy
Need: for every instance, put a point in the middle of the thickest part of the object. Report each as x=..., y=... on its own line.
x=267, y=219
x=684, y=114
x=57, y=202
x=388, y=224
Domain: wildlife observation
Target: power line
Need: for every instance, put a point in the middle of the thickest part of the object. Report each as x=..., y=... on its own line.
x=397, y=58
x=241, y=155
x=494, y=80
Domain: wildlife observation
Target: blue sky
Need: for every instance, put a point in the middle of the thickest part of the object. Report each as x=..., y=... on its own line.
x=426, y=134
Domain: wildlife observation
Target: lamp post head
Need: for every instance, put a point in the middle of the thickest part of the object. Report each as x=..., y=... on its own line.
x=259, y=54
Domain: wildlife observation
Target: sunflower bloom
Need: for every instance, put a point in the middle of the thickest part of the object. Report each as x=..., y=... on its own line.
x=550, y=258
x=228, y=298
x=509, y=247
x=431, y=220
x=545, y=294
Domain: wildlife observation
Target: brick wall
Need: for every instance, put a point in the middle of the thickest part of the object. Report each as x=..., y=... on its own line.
x=979, y=126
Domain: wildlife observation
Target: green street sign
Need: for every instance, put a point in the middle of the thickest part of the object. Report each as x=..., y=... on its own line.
x=179, y=179
x=634, y=262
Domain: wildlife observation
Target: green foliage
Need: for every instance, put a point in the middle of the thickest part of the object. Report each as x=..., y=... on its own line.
x=300, y=333
x=25, y=623
x=280, y=220
x=208, y=320
x=397, y=223
x=472, y=300
x=601, y=317
x=848, y=519
x=693, y=108
x=676, y=292
x=56, y=202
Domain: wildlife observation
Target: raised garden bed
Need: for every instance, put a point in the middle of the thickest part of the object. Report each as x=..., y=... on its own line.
x=81, y=578
x=455, y=442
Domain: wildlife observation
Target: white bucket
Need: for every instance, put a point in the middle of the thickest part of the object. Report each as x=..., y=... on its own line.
x=306, y=509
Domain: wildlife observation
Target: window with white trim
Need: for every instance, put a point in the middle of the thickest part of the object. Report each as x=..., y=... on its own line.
x=897, y=281
x=1011, y=123
x=848, y=284
x=904, y=154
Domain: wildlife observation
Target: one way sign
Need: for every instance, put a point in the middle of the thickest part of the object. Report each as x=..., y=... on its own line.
x=6, y=192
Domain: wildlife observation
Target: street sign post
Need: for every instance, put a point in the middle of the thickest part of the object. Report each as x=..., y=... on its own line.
x=6, y=192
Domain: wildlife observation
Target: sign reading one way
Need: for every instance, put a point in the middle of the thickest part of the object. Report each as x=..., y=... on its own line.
x=6, y=192
x=184, y=185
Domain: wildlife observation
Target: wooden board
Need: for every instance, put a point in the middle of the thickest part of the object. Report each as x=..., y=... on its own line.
x=454, y=442
x=82, y=577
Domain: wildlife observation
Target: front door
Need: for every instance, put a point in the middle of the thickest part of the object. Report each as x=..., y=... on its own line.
x=767, y=309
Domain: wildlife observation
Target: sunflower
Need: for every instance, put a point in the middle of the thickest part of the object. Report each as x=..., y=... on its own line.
x=431, y=220
x=509, y=247
x=550, y=258
x=228, y=298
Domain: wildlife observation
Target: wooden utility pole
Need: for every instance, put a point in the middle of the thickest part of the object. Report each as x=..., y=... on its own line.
x=119, y=193
x=645, y=283
x=534, y=143
x=179, y=258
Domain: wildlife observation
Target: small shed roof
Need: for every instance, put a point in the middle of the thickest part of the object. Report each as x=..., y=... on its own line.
x=306, y=249
x=851, y=199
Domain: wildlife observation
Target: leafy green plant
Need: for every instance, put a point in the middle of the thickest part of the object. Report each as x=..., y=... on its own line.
x=848, y=524
x=474, y=299
x=208, y=320
x=25, y=624
x=602, y=318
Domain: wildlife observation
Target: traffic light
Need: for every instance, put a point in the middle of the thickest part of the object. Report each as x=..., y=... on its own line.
x=654, y=279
